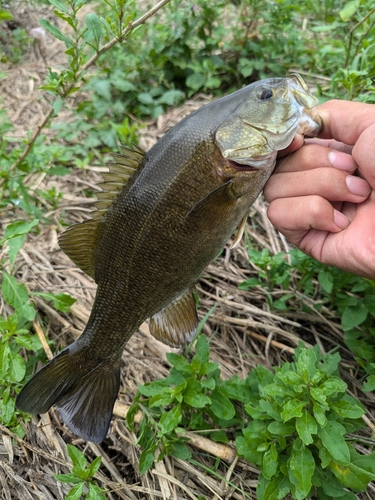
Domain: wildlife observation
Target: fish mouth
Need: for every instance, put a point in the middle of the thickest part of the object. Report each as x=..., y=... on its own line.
x=310, y=123
x=240, y=167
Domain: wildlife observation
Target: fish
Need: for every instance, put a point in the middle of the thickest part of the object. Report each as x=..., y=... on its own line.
x=160, y=219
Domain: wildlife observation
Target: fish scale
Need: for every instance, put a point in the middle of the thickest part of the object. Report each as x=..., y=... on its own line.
x=161, y=218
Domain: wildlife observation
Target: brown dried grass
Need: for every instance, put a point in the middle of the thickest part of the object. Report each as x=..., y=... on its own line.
x=245, y=333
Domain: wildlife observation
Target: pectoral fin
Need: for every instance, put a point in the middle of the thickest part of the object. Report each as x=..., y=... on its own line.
x=214, y=205
x=175, y=325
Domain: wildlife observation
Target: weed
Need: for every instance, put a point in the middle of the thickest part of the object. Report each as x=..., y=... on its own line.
x=82, y=477
x=293, y=423
x=351, y=297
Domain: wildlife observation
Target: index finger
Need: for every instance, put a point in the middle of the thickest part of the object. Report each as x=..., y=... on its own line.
x=345, y=121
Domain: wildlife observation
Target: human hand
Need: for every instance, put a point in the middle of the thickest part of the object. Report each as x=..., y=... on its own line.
x=322, y=196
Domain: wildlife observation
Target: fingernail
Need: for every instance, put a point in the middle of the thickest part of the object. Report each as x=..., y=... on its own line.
x=342, y=161
x=357, y=186
x=340, y=219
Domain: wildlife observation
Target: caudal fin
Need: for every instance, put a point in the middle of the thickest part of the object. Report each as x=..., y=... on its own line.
x=84, y=396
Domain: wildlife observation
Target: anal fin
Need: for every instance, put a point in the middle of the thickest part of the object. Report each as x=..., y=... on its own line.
x=175, y=325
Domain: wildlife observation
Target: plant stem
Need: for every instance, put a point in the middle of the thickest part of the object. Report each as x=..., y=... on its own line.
x=130, y=27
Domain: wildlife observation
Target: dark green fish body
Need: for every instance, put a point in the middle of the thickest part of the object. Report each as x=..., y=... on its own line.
x=162, y=218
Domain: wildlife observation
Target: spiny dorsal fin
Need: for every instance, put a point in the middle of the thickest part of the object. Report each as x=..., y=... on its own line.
x=79, y=241
x=175, y=325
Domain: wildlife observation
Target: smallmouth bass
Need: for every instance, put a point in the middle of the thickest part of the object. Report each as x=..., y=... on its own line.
x=161, y=218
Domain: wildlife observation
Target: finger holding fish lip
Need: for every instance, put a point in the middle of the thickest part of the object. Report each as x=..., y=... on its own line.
x=329, y=183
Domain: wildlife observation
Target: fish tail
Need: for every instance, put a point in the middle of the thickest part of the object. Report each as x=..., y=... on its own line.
x=84, y=394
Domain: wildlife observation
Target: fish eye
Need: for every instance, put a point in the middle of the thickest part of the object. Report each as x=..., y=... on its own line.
x=265, y=94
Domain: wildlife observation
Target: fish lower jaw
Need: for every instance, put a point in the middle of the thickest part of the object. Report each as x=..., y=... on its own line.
x=254, y=163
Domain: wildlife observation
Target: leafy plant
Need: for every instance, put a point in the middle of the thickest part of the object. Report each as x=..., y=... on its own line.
x=300, y=419
x=82, y=477
x=293, y=423
x=192, y=392
x=351, y=297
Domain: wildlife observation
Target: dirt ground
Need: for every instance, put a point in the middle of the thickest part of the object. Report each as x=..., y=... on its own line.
x=245, y=332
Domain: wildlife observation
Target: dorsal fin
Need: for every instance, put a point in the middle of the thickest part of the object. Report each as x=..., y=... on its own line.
x=79, y=241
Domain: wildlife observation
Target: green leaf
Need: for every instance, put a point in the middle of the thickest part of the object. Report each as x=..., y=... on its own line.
x=276, y=489
x=318, y=395
x=61, y=301
x=293, y=408
x=281, y=428
x=94, y=466
x=245, y=285
x=357, y=473
x=94, y=25
x=181, y=451
x=353, y=316
x=76, y=492
x=57, y=105
x=5, y=15
x=221, y=406
x=68, y=478
x=270, y=462
x=16, y=295
x=77, y=457
x=369, y=301
x=15, y=244
x=275, y=390
x=306, y=426
x=349, y=10
x=145, y=98
x=333, y=386
x=302, y=464
x=248, y=450
x=95, y=493
x=18, y=228
x=56, y=32
x=209, y=383
x=170, y=420
x=326, y=281
x=59, y=6
x=219, y=436
x=306, y=364
x=331, y=486
x=17, y=367
x=195, y=81
x=202, y=351
x=7, y=409
x=347, y=410
x=146, y=460
x=369, y=384
x=332, y=438
x=180, y=363
x=165, y=398
x=192, y=398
